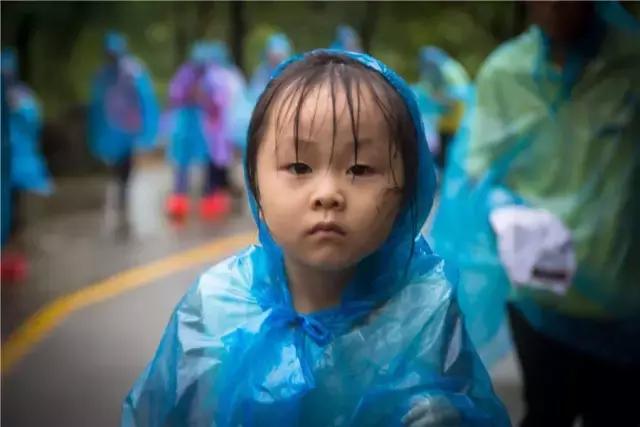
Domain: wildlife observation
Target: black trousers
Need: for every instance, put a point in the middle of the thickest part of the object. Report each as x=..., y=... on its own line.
x=122, y=172
x=562, y=384
x=217, y=179
x=445, y=141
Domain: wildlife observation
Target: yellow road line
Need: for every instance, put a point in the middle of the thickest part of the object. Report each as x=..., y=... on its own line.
x=50, y=316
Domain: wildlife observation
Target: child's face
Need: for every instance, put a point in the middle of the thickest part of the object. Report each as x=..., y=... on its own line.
x=325, y=210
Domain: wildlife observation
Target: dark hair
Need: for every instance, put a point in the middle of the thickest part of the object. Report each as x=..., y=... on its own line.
x=299, y=79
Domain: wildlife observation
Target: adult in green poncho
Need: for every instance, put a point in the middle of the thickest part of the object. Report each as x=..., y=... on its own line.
x=555, y=130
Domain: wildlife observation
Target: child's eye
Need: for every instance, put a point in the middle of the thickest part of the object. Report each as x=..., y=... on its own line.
x=360, y=170
x=298, y=168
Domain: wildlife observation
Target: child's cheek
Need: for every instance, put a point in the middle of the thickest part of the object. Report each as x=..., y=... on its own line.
x=388, y=203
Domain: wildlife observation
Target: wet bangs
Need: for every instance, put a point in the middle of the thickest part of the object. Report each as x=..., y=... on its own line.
x=285, y=96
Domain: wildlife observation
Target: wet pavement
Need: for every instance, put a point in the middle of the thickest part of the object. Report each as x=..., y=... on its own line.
x=75, y=238
x=78, y=374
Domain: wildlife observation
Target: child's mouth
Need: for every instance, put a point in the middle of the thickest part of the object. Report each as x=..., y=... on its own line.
x=328, y=229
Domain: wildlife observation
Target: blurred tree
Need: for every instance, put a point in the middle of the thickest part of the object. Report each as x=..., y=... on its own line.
x=367, y=28
x=238, y=31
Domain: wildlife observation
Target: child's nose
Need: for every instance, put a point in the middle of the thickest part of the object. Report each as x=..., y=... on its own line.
x=328, y=195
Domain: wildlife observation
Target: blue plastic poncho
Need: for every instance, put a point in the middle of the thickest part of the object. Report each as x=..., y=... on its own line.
x=28, y=167
x=566, y=142
x=123, y=113
x=236, y=352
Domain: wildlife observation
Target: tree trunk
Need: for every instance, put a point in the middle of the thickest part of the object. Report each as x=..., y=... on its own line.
x=181, y=34
x=519, y=18
x=368, y=26
x=24, y=35
x=204, y=11
x=238, y=30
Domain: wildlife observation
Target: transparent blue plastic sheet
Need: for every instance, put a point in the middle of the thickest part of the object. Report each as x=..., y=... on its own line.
x=565, y=142
x=236, y=352
x=124, y=112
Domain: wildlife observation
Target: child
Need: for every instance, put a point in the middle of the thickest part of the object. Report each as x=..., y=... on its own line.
x=342, y=315
x=197, y=135
x=123, y=114
x=24, y=168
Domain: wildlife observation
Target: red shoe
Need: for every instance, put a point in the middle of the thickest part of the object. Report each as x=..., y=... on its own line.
x=215, y=206
x=13, y=268
x=178, y=206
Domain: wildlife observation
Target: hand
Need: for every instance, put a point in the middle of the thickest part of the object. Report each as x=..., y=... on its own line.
x=429, y=411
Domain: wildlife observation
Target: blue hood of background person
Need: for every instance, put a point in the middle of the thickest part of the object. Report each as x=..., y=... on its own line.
x=278, y=44
x=346, y=39
x=9, y=64
x=115, y=44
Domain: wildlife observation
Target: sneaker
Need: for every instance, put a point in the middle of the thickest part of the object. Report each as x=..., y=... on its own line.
x=215, y=206
x=178, y=206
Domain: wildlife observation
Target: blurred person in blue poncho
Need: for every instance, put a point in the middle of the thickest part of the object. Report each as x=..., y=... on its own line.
x=346, y=38
x=277, y=49
x=342, y=314
x=23, y=165
x=28, y=167
x=442, y=92
x=199, y=94
x=540, y=207
x=123, y=114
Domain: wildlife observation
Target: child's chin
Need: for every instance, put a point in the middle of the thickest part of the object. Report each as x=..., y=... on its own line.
x=330, y=263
